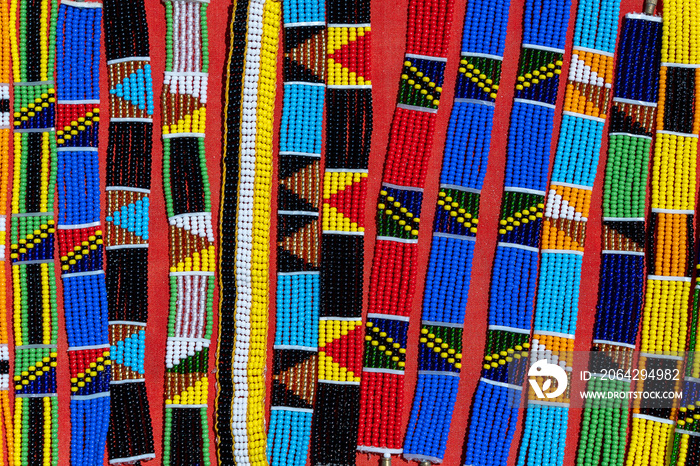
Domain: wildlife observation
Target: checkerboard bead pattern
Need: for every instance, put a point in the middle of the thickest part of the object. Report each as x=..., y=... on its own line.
x=392, y=280
x=620, y=292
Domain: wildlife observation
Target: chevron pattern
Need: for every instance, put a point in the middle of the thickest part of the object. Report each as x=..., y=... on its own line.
x=295, y=235
x=291, y=372
x=478, y=78
x=589, y=96
x=337, y=339
x=343, y=194
x=538, y=75
x=345, y=46
x=521, y=218
x=299, y=183
x=89, y=371
x=301, y=46
x=506, y=356
x=440, y=348
x=77, y=125
x=565, y=219
x=131, y=91
x=457, y=213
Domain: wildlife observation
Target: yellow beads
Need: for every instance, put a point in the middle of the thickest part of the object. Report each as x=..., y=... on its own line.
x=664, y=324
x=331, y=331
x=681, y=32
x=338, y=73
x=673, y=172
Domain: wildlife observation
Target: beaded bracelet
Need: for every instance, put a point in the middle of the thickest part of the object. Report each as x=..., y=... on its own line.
x=35, y=322
x=245, y=234
x=455, y=228
x=348, y=139
x=80, y=238
x=128, y=189
x=6, y=431
x=392, y=280
x=564, y=229
x=620, y=294
x=298, y=256
x=191, y=239
x=513, y=278
x=667, y=327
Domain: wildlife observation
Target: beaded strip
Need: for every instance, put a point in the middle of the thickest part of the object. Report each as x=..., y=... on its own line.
x=620, y=294
x=227, y=227
x=245, y=229
x=392, y=282
x=348, y=139
x=454, y=232
x=295, y=358
x=667, y=326
x=513, y=280
x=191, y=244
x=6, y=30
x=35, y=321
x=566, y=214
x=80, y=238
x=126, y=237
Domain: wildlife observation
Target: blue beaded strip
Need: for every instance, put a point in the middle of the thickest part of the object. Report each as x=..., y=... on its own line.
x=565, y=217
x=78, y=229
x=513, y=278
x=455, y=229
x=296, y=336
x=620, y=294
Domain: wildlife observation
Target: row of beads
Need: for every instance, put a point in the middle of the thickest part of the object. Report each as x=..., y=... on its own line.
x=456, y=222
x=298, y=249
x=348, y=138
x=129, y=181
x=398, y=220
x=191, y=249
x=32, y=238
x=514, y=273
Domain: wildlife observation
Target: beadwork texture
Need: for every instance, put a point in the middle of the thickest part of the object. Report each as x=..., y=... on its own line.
x=191, y=239
x=620, y=292
x=128, y=193
x=566, y=212
x=295, y=358
x=668, y=328
x=245, y=231
x=392, y=280
x=454, y=230
x=348, y=139
x=513, y=280
x=80, y=236
x=6, y=30
x=32, y=232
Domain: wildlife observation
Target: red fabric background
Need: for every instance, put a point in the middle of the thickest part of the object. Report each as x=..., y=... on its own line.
x=389, y=26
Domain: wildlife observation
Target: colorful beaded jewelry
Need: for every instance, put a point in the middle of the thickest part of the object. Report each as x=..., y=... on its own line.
x=566, y=215
x=80, y=238
x=513, y=280
x=128, y=190
x=191, y=238
x=32, y=235
x=348, y=139
x=6, y=429
x=603, y=432
x=667, y=326
x=298, y=255
x=245, y=230
x=455, y=228
x=392, y=280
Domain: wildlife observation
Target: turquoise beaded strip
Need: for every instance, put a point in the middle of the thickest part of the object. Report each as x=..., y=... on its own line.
x=564, y=230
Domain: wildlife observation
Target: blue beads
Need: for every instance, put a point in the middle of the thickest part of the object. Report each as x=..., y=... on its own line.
x=557, y=297
x=78, y=58
x=79, y=188
x=512, y=287
x=137, y=88
x=301, y=128
x=85, y=304
x=133, y=217
x=297, y=310
x=90, y=421
x=131, y=351
x=578, y=151
x=288, y=437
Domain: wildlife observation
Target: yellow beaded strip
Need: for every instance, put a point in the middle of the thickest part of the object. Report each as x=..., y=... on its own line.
x=673, y=182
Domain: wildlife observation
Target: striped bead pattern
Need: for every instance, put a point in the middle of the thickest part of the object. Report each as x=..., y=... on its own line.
x=513, y=279
x=191, y=239
x=295, y=358
x=392, y=280
x=620, y=292
x=455, y=229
